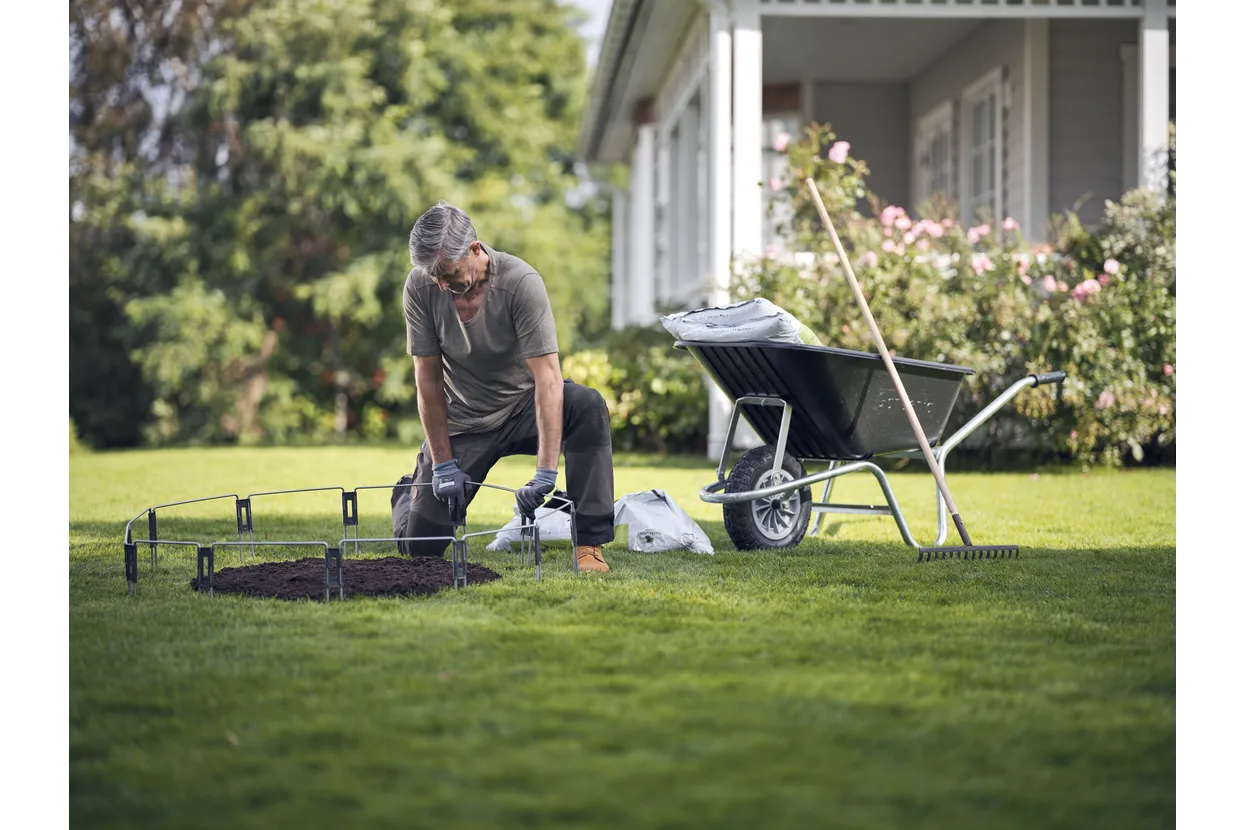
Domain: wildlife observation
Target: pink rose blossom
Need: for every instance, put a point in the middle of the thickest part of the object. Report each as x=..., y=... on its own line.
x=1111, y=266
x=781, y=141
x=903, y=222
x=923, y=244
x=1073, y=434
x=946, y=223
x=973, y=236
x=775, y=184
x=1104, y=280
x=1105, y=400
x=1048, y=282
x=1010, y=224
x=890, y=213
x=838, y=152
x=846, y=330
x=1061, y=285
x=982, y=263
x=1162, y=409
x=1168, y=369
x=886, y=232
x=909, y=238
x=889, y=246
x=1022, y=266
x=871, y=259
x=1027, y=280
x=1085, y=290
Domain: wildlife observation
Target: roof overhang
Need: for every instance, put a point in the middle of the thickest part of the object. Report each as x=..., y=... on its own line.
x=641, y=40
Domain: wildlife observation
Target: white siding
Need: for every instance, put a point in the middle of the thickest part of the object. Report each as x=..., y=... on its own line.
x=1087, y=113
x=873, y=118
x=995, y=43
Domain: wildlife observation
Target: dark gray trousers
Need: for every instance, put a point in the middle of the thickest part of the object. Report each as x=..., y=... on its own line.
x=589, y=471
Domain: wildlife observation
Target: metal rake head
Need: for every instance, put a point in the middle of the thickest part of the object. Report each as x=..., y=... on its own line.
x=969, y=552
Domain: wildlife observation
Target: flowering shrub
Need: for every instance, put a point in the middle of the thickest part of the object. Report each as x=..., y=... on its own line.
x=1098, y=305
x=656, y=395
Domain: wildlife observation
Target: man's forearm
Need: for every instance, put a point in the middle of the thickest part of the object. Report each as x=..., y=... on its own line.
x=432, y=415
x=549, y=422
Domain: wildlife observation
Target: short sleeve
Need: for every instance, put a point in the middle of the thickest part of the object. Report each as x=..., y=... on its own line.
x=533, y=318
x=421, y=332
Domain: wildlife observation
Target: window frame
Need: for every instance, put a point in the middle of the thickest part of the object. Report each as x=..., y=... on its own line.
x=940, y=119
x=980, y=90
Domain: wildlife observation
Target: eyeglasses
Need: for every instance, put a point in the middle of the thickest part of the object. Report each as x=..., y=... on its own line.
x=438, y=275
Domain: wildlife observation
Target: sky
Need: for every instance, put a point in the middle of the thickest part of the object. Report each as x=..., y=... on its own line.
x=594, y=29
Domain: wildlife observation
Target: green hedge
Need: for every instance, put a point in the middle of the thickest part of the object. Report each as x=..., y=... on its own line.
x=656, y=394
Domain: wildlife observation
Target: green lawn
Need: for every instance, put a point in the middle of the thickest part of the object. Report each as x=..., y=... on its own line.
x=839, y=684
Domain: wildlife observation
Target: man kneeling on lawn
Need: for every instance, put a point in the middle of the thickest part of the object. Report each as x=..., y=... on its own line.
x=480, y=329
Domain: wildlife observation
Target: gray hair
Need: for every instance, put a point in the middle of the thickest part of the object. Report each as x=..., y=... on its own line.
x=441, y=236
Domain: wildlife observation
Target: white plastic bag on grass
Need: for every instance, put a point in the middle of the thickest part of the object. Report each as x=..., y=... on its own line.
x=554, y=526
x=655, y=524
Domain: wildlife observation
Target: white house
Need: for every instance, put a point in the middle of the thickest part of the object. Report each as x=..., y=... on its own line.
x=1025, y=107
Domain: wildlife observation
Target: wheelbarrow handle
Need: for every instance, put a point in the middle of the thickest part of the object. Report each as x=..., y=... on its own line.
x=1049, y=377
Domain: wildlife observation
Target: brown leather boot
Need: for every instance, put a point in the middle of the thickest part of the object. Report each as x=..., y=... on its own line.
x=590, y=559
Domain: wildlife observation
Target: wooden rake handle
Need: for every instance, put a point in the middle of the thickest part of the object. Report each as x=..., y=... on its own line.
x=886, y=358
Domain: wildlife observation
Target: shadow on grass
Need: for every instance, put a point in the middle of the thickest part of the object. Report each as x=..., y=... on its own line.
x=961, y=461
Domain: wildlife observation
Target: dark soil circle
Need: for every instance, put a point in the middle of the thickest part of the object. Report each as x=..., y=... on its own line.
x=304, y=578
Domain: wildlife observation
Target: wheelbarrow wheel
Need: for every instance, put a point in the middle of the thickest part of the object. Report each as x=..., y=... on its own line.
x=774, y=521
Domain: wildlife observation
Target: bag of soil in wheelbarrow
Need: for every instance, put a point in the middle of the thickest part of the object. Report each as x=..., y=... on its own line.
x=757, y=319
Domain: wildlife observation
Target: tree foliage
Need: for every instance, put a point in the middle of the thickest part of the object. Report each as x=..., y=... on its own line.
x=254, y=168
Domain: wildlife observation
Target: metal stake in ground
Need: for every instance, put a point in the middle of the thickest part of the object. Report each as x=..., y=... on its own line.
x=968, y=550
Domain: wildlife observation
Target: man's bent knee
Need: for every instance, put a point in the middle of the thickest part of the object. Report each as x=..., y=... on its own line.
x=408, y=523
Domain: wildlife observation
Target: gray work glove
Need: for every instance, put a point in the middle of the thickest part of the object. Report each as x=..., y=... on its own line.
x=533, y=494
x=449, y=484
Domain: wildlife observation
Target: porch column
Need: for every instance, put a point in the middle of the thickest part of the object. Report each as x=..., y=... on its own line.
x=1037, y=128
x=747, y=133
x=1153, y=81
x=685, y=203
x=747, y=170
x=619, y=242
x=641, y=255
x=719, y=198
x=662, y=219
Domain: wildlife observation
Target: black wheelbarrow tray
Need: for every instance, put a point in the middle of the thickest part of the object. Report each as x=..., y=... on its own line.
x=829, y=405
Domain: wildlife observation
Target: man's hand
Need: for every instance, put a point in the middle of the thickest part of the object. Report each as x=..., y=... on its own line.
x=449, y=484
x=532, y=495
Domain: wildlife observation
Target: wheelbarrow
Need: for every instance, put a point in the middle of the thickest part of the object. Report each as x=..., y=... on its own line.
x=826, y=405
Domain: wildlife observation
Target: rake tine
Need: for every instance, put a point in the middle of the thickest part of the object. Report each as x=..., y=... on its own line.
x=968, y=553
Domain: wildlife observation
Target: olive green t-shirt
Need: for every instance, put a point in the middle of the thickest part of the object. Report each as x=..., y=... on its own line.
x=483, y=360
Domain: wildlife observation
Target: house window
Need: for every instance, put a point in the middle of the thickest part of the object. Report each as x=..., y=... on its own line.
x=933, y=153
x=981, y=116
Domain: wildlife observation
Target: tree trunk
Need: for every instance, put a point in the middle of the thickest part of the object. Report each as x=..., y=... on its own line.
x=254, y=381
